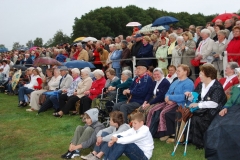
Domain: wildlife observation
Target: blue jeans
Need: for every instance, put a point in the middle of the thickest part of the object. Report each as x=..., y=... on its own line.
x=118, y=72
x=9, y=88
x=22, y=91
x=55, y=102
x=132, y=151
x=103, y=146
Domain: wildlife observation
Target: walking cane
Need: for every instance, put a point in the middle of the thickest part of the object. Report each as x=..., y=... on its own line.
x=186, y=141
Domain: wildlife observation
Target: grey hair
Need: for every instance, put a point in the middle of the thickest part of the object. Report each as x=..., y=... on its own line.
x=159, y=70
x=223, y=32
x=99, y=72
x=127, y=73
x=206, y=31
x=173, y=35
x=111, y=45
x=85, y=70
x=76, y=70
x=99, y=42
x=180, y=38
x=57, y=70
x=79, y=44
x=233, y=65
x=109, y=38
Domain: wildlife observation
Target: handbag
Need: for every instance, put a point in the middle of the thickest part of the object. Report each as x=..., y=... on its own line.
x=195, y=62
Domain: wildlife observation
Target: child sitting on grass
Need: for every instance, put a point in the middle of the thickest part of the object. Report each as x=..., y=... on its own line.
x=84, y=136
x=101, y=148
x=136, y=143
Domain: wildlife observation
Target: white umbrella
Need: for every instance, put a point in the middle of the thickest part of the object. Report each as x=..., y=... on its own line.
x=148, y=29
x=133, y=24
x=89, y=39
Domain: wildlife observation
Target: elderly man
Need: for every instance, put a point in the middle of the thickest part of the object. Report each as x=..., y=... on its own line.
x=108, y=41
x=103, y=54
x=126, y=53
x=138, y=91
x=28, y=60
x=218, y=22
x=83, y=55
x=157, y=33
x=137, y=45
x=64, y=84
x=179, y=30
x=129, y=42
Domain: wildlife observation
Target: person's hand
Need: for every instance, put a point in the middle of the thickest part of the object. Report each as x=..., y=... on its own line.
x=64, y=91
x=166, y=99
x=146, y=106
x=193, y=105
x=99, y=141
x=170, y=102
x=223, y=112
x=188, y=94
x=183, y=47
x=86, y=92
x=110, y=143
x=216, y=55
x=114, y=139
x=126, y=91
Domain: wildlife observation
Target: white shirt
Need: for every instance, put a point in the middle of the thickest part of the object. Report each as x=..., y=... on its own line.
x=209, y=103
x=33, y=82
x=170, y=79
x=228, y=79
x=6, y=70
x=141, y=137
x=203, y=42
x=156, y=86
x=54, y=82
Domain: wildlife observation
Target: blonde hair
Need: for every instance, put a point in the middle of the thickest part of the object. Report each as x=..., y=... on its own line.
x=188, y=34
x=147, y=38
x=154, y=37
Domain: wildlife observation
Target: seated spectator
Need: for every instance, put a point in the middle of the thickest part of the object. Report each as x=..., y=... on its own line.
x=146, y=50
x=28, y=61
x=82, y=86
x=67, y=95
x=135, y=143
x=93, y=92
x=84, y=136
x=9, y=84
x=2, y=77
x=137, y=91
x=231, y=78
x=161, y=55
x=174, y=97
x=171, y=73
x=101, y=148
x=211, y=100
x=64, y=84
x=35, y=84
x=218, y=48
x=157, y=92
x=234, y=97
x=49, y=83
x=233, y=48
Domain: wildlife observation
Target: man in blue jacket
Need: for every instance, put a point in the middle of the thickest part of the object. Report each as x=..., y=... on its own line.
x=137, y=91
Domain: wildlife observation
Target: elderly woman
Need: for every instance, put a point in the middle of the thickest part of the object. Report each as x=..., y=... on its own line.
x=233, y=48
x=115, y=58
x=112, y=49
x=177, y=51
x=146, y=51
x=204, y=49
x=155, y=43
x=51, y=82
x=34, y=84
x=157, y=92
x=161, y=55
x=82, y=86
x=217, y=28
x=211, y=100
x=173, y=43
x=188, y=51
x=126, y=53
x=174, y=97
x=93, y=92
x=218, y=48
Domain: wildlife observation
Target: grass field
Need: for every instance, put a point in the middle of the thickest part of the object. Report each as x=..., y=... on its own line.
x=24, y=135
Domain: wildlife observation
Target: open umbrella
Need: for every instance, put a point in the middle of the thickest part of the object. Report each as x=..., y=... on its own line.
x=133, y=24
x=89, y=39
x=225, y=16
x=222, y=137
x=46, y=61
x=78, y=64
x=16, y=78
x=148, y=29
x=79, y=39
x=165, y=20
x=23, y=68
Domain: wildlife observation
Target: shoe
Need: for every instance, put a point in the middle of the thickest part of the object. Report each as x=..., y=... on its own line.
x=164, y=138
x=57, y=115
x=94, y=158
x=65, y=154
x=170, y=140
x=29, y=110
x=72, y=154
x=73, y=113
x=90, y=155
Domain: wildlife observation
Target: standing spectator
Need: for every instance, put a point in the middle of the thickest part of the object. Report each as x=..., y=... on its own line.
x=161, y=55
x=108, y=41
x=126, y=53
x=60, y=57
x=177, y=51
x=90, y=52
x=129, y=42
x=112, y=49
x=137, y=45
x=97, y=62
x=28, y=60
x=103, y=55
x=233, y=48
x=216, y=29
x=115, y=58
x=146, y=51
x=173, y=43
x=228, y=24
x=83, y=55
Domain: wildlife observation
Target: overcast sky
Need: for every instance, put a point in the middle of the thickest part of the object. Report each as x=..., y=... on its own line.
x=23, y=20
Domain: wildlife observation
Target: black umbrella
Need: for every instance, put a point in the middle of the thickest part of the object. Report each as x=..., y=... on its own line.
x=23, y=68
x=222, y=137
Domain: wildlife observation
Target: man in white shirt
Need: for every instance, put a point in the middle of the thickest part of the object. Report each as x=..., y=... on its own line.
x=6, y=69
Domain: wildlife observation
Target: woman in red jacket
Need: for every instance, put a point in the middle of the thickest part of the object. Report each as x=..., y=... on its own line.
x=97, y=62
x=233, y=48
x=95, y=90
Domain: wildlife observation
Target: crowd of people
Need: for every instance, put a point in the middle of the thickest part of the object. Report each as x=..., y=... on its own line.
x=170, y=66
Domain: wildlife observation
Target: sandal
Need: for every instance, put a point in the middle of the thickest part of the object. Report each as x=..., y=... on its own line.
x=56, y=114
x=73, y=113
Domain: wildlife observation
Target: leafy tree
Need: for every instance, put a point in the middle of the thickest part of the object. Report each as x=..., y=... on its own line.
x=38, y=42
x=2, y=46
x=58, y=38
x=16, y=46
x=48, y=43
x=29, y=44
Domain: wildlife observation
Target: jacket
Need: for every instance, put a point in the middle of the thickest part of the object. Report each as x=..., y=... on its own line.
x=231, y=83
x=136, y=47
x=122, y=87
x=146, y=52
x=234, y=48
x=83, y=86
x=104, y=57
x=234, y=98
x=162, y=53
x=65, y=82
x=205, y=49
x=126, y=53
x=83, y=55
x=61, y=58
x=116, y=56
x=97, y=87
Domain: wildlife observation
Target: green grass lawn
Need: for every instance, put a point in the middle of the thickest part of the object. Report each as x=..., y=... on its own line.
x=24, y=135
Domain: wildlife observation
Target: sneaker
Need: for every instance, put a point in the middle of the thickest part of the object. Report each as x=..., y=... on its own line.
x=72, y=155
x=65, y=154
x=94, y=158
x=29, y=110
x=90, y=155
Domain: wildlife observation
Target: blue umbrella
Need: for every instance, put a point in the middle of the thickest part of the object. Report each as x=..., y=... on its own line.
x=165, y=20
x=78, y=64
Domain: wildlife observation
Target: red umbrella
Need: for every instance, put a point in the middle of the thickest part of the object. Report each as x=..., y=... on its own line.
x=46, y=61
x=225, y=16
x=33, y=48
